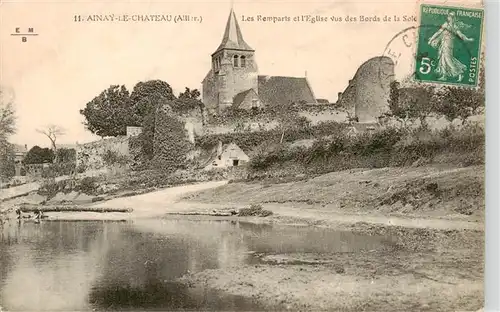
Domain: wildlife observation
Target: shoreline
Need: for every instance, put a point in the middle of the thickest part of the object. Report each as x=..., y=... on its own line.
x=432, y=263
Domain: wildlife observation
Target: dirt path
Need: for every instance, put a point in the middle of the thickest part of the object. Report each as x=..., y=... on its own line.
x=156, y=203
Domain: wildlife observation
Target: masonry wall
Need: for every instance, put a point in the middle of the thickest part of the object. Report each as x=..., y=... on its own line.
x=373, y=88
x=366, y=97
x=90, y=155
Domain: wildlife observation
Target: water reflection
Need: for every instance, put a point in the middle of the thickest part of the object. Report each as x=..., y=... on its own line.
x=80, y=266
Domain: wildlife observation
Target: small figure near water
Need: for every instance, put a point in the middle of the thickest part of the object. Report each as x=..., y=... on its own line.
x=38, y=215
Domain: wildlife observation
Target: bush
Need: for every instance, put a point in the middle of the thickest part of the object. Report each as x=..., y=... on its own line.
x=59, y=169
x=66, y=155
x=248, y=141
x=384, y=148
x=255, y=210
x=111, y=158
x=88, y=185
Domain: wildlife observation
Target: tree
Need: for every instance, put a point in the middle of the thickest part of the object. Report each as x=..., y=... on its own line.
x=7, y=115
x=38, y=155
x=460, y=102
x=147, y=96
x=411, y=103
x=289, y=119
x=7, y=128
x=109, y=113
x=7, y=162
x=52, y=132
x=154, y=95
x=188, y=101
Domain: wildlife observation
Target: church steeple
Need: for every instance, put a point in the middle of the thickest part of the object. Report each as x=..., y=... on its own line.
x=233, y=39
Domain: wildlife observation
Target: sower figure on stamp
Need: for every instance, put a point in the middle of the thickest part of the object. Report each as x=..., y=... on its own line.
x=443, y=41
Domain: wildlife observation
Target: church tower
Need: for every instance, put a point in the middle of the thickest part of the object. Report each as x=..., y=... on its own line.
x=233, y=70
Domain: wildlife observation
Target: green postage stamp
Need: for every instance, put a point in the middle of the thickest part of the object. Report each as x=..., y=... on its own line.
x=449, y=44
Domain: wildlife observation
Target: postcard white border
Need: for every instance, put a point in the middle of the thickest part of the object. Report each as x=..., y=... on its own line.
x=492, y=213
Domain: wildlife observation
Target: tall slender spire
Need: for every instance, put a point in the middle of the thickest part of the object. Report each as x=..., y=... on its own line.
x=233, y=39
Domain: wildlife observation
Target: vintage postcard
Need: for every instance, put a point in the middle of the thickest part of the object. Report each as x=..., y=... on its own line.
x=242, y=156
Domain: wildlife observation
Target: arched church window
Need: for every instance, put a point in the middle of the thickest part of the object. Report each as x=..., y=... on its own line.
x=235, y=63
x=243, y=61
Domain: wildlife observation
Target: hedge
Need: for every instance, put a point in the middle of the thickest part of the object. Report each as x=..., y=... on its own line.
x=249, y=140
x=384, y=148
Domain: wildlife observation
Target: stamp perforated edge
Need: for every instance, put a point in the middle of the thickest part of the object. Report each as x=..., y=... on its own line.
x=455, y=5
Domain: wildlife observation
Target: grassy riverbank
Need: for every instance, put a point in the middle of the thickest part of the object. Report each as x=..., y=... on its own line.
x=432, y=217
x=433, y=214
x=428, y=191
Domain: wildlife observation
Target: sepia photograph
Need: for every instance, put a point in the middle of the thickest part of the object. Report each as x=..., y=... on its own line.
x=242, y=155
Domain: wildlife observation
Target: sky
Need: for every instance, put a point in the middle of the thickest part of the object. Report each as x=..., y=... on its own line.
x=53, y=75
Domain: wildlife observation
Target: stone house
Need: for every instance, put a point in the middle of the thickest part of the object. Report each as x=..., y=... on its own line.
x=230, y=155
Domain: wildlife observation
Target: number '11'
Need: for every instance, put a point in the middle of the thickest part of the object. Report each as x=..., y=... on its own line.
x=78, y=18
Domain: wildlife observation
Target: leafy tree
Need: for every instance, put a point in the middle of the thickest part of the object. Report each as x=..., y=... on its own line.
x=110, y=112
x=289, y=119
x=7, y=128
x=38, y=155
x=460, y=102
x=147, y=96
x=411, y=103
x=157, y=94
x=7, y=162
x=7, y=116
x=188, y=101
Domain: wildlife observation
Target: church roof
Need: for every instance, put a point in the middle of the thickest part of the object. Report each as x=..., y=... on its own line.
x=281, y=90
x=233, y=39
x=240, y=97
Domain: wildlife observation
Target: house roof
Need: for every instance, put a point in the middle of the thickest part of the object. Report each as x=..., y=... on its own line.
x=322, y=101
x=280, y=90
x=211, y=154
x=233, y=38
x=240, y=97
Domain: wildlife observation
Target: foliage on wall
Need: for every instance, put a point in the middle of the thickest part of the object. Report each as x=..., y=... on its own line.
x=170, y=141
x=249, y=140
x=66, y=155
x=384, y=148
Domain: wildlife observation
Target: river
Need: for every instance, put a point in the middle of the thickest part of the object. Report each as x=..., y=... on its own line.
x=134, y=265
